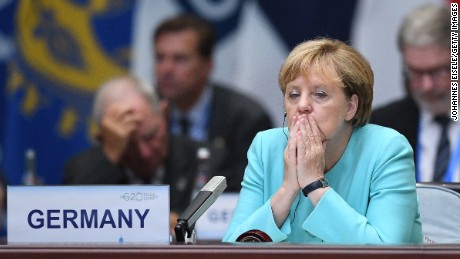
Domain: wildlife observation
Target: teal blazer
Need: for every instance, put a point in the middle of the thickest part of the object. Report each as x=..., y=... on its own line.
x=372, y=198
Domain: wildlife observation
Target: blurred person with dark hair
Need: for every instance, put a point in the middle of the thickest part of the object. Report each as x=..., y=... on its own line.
x=202, y=110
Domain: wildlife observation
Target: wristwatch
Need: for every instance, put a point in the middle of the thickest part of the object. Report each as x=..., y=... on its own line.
x=320, y=183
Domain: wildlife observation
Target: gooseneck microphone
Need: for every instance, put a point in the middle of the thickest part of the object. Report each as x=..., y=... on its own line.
x=184, y=229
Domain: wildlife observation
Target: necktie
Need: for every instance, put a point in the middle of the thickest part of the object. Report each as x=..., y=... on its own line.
x=443, y=150
x=185, y=125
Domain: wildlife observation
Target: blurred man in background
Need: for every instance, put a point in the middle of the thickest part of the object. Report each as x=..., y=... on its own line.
x=423, y=116
x=201, y=110
x=134, y=146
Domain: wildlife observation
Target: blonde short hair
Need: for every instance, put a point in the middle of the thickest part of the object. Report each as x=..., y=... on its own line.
x=353, y=70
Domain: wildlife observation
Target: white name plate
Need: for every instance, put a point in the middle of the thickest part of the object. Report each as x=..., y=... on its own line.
x=213, y=224
x=88, y=214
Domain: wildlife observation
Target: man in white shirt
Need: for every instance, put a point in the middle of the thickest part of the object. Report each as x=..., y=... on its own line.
x=423, y=116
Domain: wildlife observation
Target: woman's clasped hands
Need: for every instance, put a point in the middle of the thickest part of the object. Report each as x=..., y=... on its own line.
x=304, y=155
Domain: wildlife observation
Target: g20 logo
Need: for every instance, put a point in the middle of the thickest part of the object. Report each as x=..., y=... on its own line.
x=132, y=196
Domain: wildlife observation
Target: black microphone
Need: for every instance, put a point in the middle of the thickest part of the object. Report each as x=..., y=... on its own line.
x=203, y=200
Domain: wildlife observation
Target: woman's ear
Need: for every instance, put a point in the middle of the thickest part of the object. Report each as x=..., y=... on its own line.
x=352, y=107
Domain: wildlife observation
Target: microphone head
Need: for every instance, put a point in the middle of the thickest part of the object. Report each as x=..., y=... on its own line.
x=217, y=185
x=204, y=199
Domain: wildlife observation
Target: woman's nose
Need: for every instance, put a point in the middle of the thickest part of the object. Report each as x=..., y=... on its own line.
x=305, y=105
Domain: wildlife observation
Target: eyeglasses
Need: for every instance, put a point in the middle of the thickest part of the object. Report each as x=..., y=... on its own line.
x=436, y=74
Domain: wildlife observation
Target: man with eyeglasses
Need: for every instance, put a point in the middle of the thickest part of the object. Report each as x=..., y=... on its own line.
x=423, y=116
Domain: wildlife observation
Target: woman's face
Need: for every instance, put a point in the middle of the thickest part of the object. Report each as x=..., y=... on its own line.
x=325, y=100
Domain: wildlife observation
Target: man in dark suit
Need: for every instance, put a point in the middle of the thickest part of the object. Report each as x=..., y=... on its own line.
x=134, y=147
x=203, y=111
x=423, y=116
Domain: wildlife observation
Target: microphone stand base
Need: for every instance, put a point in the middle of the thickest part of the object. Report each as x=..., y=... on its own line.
x=185, y=234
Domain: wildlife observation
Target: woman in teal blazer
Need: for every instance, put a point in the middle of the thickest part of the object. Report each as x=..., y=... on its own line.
x=329, y=177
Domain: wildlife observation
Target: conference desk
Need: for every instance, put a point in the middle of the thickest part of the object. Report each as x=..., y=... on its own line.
x=234, y=251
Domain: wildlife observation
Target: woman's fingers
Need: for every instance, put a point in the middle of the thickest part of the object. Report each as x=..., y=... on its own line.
x=310, y=157
x=315, y=132
x=290, y=154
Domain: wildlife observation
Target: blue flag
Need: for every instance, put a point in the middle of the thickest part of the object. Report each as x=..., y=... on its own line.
x=64, y=51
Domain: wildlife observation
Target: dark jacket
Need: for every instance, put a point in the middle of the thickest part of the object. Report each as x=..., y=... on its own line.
x=93, y=167
x=234, y=122
x=402, y=115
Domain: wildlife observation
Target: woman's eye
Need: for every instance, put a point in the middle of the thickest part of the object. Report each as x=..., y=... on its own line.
x=320, y=94
x=293, y=94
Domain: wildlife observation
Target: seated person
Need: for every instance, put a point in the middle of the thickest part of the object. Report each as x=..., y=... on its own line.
x=329, y=177
x=133, y=144
x=423, y=115
x=201, y=109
